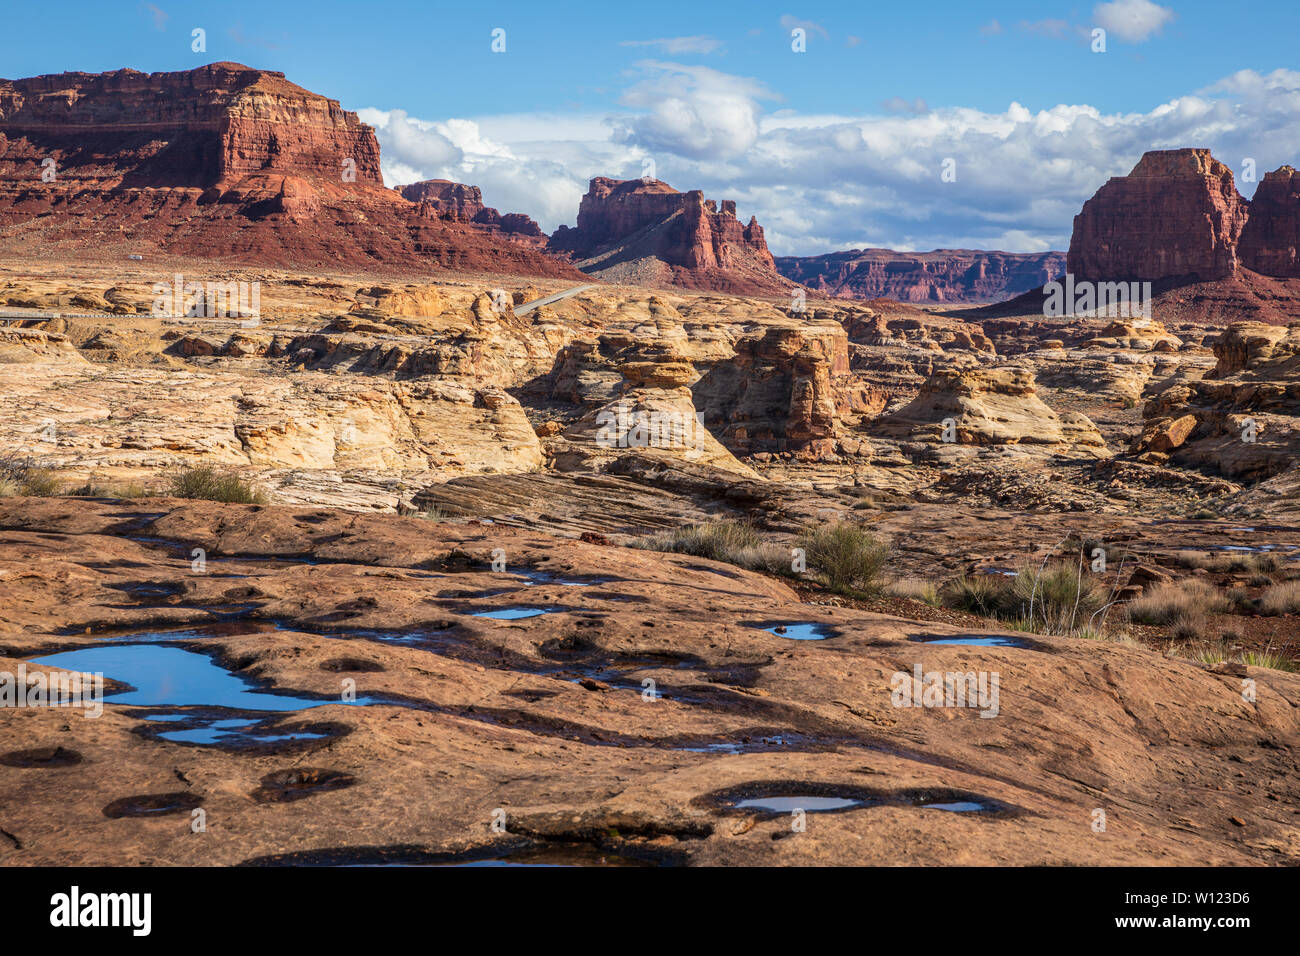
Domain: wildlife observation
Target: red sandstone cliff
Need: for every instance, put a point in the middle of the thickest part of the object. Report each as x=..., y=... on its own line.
x=222, y=161
x=1177, y=217
x=457, y=202
x=646, y=232
x=944, y=275
x=1271, y=238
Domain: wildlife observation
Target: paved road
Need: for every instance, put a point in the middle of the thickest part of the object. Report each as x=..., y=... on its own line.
x=529, y=306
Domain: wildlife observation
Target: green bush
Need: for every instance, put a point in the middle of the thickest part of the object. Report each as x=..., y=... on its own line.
x=210, y=484
x=847, y=556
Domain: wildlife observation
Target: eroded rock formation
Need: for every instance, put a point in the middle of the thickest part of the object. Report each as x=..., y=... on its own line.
x=220, y=161
x=643, y=231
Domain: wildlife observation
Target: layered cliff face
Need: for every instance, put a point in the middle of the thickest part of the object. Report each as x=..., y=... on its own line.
x=460, y=203
x=1272, y=233
x=1176, y=216
x=645, y=232
x=221, y=161
x=944, y=275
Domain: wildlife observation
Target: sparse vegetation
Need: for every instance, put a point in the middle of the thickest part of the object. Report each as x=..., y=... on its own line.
x=847, y=556
x=1281, y=598
x=733, y=542
x=977, y=593
x=915, y=589
x=1058, y=598
x=211, y=484
x=1269, y=658
x=23, y=476
x=1184, y=607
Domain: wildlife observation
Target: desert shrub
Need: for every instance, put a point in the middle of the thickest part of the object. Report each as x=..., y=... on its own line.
x=1281, y=598
x=23, y=476
x=211, y=484
x=1184, y=607
x=1059, y=597
x=915, y=589
x=848, y=556
x=732, y=542
x=1193, y=559
x=985, y=594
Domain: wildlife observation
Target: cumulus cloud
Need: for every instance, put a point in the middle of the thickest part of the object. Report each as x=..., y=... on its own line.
x=675, y=46
x=819, y=182
x=693, y=111
x=1134, y=21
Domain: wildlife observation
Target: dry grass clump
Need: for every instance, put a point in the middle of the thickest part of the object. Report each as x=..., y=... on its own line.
x=1281, y=598
x=726, y=540
x=915, y=589
x=1057, y=598
x=1183, y=606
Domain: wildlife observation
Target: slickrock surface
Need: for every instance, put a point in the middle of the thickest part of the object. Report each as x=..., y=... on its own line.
x=944, y=275
x=222, y=161
x=545, y=724
x=642, y=231
x=488, y=433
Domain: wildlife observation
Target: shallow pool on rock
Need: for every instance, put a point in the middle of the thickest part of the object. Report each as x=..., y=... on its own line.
x=807, y=803
x=976, y=640
x=955, y=806
x=514, y=613
x=173, y=677
x=799, y=631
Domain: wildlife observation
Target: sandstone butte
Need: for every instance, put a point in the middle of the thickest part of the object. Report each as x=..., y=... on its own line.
x=644, y=231
x=1177, y=218
x=224, y=161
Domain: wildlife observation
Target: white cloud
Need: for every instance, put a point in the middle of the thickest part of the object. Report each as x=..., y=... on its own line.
x=819, y=182
x=1134, y=21
x=675, y=46
x=693, y=111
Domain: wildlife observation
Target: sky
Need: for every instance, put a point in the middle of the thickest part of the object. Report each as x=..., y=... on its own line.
x=912, y=126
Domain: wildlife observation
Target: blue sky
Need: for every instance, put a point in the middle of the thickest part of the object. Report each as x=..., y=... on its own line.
x=835, y=147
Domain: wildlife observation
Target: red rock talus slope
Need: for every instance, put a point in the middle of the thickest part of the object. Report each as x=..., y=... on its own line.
x=1272, y=234
x=1177, y=215
x=944, y=275
x=457, y=202
x=221, y=161
x=643, y=231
